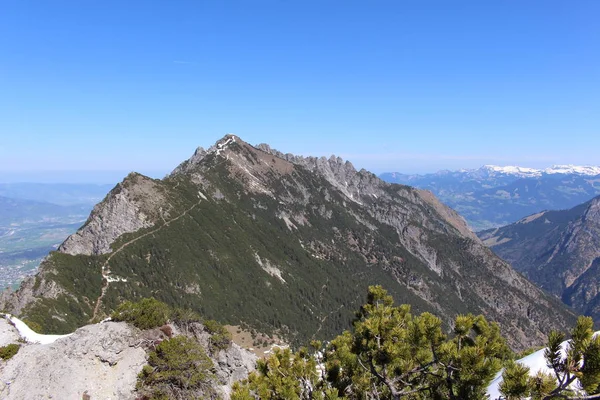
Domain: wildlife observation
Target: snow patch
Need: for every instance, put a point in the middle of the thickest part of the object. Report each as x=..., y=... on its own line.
x=536, y=363
x=222, y=146
x=29, y=335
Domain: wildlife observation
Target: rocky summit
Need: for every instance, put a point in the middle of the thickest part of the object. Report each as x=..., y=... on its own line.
x=558, y=250
x=282, y=243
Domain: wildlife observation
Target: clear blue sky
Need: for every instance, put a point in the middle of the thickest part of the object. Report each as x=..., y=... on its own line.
x=410, y=86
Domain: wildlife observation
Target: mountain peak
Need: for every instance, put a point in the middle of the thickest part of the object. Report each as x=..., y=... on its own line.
x=201, y=154
x=513, y=170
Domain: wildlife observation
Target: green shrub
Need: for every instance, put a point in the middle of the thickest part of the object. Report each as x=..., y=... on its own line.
x=8, y=351
x=178, y=368
x=220, y=338
x=146, y=314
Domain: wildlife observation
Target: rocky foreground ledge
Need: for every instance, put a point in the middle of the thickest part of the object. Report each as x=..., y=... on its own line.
x=101, y=361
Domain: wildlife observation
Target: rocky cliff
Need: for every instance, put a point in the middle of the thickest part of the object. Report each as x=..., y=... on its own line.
x=284, y=243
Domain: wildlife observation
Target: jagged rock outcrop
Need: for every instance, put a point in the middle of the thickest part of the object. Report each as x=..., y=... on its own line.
x=283, y=243
x=133, y=204
x=558, y=250
x=233, y=365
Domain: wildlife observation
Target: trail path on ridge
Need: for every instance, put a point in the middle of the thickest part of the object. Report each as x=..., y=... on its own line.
x=106, y=271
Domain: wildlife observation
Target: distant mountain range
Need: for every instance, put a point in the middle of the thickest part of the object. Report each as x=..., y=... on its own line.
x=284, y=243
x=558, y=250
x=493, y=196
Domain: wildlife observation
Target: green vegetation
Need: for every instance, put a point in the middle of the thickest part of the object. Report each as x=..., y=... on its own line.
x=285, y=375
x=390, y=354
x=184, y=318
x=178, y=369
x=8, y=351
x=150, y=313
x=220, y=338
x=146, y=314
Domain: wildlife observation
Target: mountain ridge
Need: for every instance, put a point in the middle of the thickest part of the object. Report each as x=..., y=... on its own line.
x=288, y=243
x=515, y=170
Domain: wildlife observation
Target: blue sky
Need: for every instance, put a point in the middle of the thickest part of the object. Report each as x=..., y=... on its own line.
x=410, y=86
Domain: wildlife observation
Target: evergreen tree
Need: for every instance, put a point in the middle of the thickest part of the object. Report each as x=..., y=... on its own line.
x=285, y=375
x=178, y=368
x=390, y=354
x=579, y=361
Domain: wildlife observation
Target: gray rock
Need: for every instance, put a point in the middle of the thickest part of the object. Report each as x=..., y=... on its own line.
x=8, y=333
x=133, y=204
x=100, y=360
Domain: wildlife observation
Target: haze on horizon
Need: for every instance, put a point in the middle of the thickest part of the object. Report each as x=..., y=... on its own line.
x=98, y=89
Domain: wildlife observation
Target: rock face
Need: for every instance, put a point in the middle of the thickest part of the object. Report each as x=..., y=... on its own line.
x=8, y=333
x=232, y=365
x=132, y=205
x=100, y=360
x=287, y=244
x=558, y=250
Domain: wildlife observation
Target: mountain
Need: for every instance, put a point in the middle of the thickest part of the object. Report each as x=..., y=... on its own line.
x=558, y=250
x=493, y=196
x=282, y=243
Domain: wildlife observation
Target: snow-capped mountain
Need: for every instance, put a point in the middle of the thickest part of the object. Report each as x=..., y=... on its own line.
x=493, y=196
x=532, y=172
x=512, y=170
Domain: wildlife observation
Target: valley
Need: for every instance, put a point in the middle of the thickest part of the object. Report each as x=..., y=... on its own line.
x=35, y=219
x=22, y=248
